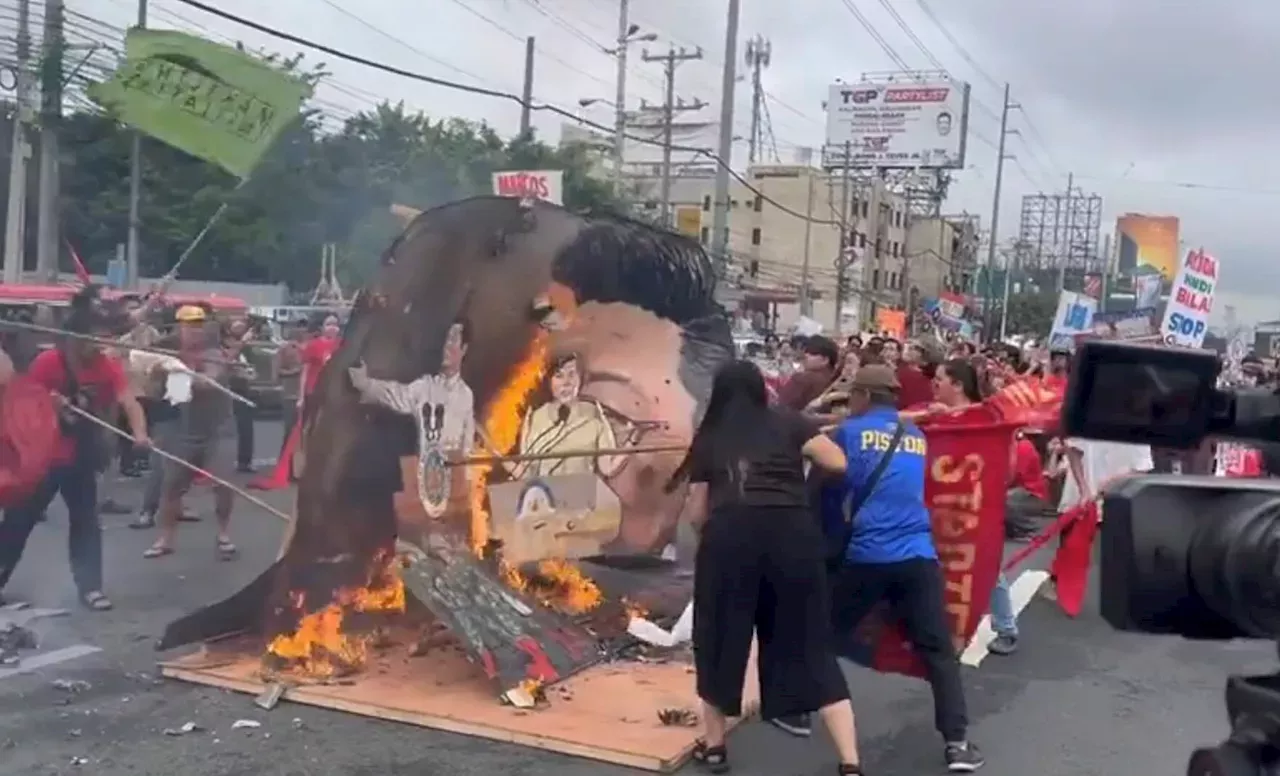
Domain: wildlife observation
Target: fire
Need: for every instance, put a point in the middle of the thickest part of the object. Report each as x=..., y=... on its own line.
x=502, y=429
x=567, y=587
x=321, y=645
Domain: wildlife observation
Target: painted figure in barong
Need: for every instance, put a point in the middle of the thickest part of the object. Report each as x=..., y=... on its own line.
x=633, y=302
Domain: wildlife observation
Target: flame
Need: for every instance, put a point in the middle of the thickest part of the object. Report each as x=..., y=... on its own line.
x=502, y=430
x=321, y=646
x=567, y=587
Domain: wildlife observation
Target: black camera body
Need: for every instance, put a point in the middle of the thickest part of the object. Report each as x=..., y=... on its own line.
x=1194, y=556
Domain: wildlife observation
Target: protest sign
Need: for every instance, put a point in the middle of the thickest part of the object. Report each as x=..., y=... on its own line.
x=1186, y=317
x=546, y=185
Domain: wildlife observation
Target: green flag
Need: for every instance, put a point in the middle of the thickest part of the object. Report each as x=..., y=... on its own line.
x=213, y=101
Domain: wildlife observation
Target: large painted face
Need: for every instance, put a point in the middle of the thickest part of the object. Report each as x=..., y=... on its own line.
x=566, y=381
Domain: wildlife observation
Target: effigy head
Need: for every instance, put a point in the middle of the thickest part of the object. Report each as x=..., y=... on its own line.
x=569, y=333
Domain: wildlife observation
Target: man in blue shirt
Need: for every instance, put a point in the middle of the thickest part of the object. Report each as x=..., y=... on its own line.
x=890, y=556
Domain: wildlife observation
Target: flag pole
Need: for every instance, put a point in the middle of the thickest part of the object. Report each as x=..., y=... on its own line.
x=199, y=238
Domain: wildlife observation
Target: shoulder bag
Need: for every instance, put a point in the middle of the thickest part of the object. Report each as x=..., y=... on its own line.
x=838, y=541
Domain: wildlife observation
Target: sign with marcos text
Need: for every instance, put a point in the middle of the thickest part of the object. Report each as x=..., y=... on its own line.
x=546, y=185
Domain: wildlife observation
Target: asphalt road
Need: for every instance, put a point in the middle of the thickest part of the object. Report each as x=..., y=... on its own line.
x=1078, y=699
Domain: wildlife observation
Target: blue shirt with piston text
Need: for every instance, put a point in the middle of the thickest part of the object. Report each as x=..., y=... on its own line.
x=893, y=523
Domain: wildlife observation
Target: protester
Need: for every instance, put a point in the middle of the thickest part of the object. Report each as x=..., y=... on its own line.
x=889, y=556
x=89, y=380
x=236, y=348
x=891, y=351
x=917, y=388
x=134, y=462
x=202, y=435
x=288, y=369
x=1028, y=498
x=818, y=368
x=829, y=407
x=317, y=352
x=759, y=567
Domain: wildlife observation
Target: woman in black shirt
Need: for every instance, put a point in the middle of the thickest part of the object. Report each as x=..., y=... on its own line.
x=760, y=566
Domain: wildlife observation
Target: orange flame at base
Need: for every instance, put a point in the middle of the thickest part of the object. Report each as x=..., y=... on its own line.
x=321, y=646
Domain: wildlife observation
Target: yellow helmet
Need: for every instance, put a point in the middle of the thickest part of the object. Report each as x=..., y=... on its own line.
x=190, y=313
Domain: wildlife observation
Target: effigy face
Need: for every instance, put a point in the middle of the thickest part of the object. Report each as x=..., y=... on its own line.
x=518, y=384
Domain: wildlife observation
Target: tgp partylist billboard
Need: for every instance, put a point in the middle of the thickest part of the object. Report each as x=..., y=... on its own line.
x=1147, y=240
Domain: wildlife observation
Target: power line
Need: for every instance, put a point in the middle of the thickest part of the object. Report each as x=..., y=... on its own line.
x=875, y=35
x=911, y=35
x=482, y=91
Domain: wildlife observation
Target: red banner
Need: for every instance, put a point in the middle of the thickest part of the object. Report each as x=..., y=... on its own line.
x=965, y=486
x=28, y=436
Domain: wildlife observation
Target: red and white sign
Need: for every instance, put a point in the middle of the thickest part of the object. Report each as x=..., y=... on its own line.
x=546, y=185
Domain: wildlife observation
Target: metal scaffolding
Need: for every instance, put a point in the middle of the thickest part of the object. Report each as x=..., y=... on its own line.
x=1062, y=231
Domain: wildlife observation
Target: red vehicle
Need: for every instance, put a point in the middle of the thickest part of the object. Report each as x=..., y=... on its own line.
x=28, y=295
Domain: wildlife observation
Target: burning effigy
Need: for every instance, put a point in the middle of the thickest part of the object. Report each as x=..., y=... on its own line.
x=486, y=453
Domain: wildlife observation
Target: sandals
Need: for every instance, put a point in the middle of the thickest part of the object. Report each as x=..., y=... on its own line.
x=712, y=759
x=227, y=550
x=96, y=600
x=157, y=551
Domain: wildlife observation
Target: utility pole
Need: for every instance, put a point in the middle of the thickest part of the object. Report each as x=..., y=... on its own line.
x=526, y=95
x=670, y=107
x=49, y=232
x=995, y=217
x=720, y=209
x=620, y=99
x=758, y=56
x=134, y=239
x=15, y=231
x=806, y=296
x=846, y=244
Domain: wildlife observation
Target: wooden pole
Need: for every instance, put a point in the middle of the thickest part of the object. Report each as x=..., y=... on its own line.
x=480, y=460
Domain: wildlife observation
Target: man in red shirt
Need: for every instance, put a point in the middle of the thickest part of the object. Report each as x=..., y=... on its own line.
x=821, y=356
x=81, y=375
x=916, y=387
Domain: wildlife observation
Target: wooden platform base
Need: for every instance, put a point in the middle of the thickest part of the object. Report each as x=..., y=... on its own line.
x=608, y=712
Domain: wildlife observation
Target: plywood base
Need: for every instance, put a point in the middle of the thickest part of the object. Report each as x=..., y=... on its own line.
x=608, y=712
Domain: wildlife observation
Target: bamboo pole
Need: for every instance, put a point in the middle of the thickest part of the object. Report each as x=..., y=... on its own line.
x=480, y=460
x=252, y=499
x=116, y=344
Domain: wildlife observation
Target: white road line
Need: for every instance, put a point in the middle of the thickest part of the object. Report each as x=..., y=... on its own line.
x=1021, y=591
x=29, y=664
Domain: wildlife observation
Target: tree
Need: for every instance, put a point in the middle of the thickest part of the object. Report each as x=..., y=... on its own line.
x=314, y=187
x=1030, y=314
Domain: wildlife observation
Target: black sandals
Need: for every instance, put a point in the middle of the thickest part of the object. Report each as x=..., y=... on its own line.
x=712, y=759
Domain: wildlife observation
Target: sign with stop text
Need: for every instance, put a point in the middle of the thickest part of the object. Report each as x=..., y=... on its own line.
x=546, y=185
x=1186, y=317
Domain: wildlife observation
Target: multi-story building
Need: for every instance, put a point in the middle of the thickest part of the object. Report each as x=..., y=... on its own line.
x=786, y=218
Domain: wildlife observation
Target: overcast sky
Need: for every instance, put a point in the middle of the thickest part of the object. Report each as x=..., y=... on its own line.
x=1158, y=107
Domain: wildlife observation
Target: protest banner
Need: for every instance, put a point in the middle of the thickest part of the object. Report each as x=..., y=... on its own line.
x=546, y=185
x=215, y=102
x=1073, y=318
x=1124, y=325
x=1186, y=317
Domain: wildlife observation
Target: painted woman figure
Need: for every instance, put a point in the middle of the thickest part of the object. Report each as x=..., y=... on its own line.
x=568, y=423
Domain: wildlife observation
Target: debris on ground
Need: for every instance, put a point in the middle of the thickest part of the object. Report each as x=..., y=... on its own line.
x=241, y=724
x=189, y=727
x=677, y=717
x=73, y=686
x=269, y=697
x=14, y=637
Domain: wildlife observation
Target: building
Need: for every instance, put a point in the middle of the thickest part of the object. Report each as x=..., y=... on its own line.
x=785, y=217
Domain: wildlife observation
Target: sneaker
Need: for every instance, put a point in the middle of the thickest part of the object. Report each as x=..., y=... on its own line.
x=1003, y=644
x=795, y=724
x=143, y=521
x=964, y=757
x=1049, y=591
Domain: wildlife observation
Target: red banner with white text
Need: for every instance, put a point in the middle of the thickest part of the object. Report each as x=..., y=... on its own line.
x=965, y=485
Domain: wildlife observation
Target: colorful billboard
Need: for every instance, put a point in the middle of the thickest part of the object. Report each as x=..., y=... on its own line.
x=1147, y=241
x=911, y=124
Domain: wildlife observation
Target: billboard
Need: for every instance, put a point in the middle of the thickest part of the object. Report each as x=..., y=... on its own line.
x=547, y=185
x=1150, y=241
x=906, y=124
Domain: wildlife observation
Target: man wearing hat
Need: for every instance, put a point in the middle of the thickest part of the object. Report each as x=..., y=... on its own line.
x=883, y=548
x=203, y=433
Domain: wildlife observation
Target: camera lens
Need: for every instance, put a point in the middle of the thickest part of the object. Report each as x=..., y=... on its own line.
x=1234, y=566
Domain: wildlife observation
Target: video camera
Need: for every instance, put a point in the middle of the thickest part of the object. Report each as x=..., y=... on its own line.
x=1195, y=556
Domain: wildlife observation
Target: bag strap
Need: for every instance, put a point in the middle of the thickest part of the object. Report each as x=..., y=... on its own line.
x=859, y=498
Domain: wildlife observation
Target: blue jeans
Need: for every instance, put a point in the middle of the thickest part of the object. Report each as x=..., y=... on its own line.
x=1003, y=619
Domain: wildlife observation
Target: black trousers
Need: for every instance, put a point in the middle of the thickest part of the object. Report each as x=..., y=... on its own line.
x=78, y=486
x=913, y=591
x=244, y=434
x=760, y=569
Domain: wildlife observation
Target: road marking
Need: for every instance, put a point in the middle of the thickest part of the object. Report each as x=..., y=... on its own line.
x=29, y=664
x=1021, y=592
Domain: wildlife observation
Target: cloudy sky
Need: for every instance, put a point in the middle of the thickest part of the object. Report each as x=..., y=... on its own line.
x=1158, y=107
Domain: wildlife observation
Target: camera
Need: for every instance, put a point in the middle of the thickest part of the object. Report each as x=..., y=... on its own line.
x=1194, y=556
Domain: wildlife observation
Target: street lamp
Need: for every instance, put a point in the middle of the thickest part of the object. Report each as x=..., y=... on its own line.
x=628, y=33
